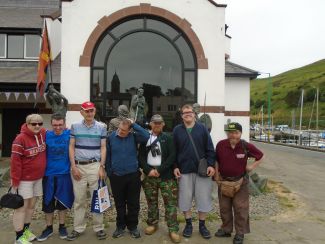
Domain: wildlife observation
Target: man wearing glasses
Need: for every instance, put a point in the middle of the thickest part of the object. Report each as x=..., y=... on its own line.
x=57, y=184
x=191, y=185
x=87, y=151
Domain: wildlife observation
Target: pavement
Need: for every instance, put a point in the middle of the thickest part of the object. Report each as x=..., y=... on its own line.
x=300, y=171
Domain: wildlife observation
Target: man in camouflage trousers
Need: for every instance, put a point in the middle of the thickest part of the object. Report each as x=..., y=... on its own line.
x=157, y=158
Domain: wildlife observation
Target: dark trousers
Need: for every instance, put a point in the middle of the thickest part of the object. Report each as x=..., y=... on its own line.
x=236, y=210
x=126, y=193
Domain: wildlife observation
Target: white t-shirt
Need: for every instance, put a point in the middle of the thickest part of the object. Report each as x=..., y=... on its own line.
x=153, y=161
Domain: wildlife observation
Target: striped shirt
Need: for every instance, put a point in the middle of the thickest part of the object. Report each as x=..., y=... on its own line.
x=88, y=140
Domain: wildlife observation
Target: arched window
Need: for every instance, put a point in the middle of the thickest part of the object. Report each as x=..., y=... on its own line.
x=146, y=52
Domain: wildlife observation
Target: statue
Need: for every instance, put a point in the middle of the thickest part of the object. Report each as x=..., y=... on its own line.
x=204, y=119
x=123, y=113
x=137, y=108
x=57, y=101
x=257, y=184
x=196, y=109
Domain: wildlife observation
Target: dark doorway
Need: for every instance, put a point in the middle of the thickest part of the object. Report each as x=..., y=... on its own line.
x=12, y=119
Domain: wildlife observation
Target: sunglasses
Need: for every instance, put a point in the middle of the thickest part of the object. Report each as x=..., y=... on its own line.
x=34, y=124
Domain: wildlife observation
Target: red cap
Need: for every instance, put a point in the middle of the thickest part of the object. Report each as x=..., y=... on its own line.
x=87, y=105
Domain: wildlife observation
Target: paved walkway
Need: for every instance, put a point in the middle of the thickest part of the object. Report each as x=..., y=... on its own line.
x=301, y=171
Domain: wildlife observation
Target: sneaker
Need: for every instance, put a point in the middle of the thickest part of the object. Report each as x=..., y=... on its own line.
x=205, y=233
x=118, y=232
x=238, y=239
x=222, y=233
x=135, y=233
x=63, y=233
x=22, y=240
x=188, y=230
x=73, y=235
x=45, y=234
x=29, y=235
x=101, y=235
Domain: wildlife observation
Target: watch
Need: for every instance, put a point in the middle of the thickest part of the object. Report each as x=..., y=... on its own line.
x=102, y=165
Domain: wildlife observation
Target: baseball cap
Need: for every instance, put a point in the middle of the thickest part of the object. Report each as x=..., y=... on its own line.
x=87, y=106
x=234, y=126
x=157, y=118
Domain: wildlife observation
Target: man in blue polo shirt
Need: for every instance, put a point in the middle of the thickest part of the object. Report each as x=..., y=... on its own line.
x=87, y=151
x=122, y=166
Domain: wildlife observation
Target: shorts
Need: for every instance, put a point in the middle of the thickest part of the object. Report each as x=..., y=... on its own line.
x=54, y=204
x=30, y=189
x=192, y=186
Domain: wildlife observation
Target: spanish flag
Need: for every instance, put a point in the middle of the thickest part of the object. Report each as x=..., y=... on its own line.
x=43, y=63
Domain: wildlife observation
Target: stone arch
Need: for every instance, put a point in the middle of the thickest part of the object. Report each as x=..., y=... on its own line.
x=144, y=8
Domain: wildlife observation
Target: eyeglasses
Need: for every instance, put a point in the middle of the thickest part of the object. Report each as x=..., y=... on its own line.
x=57, y=125
x=34, y=124
x=187, y=113
x=89, y=111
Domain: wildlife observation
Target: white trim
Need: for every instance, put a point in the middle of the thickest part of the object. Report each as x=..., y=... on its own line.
x=20, y=60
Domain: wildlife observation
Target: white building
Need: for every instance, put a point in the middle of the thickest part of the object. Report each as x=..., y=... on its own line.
x=176, y=50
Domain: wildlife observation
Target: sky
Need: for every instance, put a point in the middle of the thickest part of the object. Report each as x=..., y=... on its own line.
x=274, y=36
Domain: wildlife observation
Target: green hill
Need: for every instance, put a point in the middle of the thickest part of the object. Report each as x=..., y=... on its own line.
x=286, y=91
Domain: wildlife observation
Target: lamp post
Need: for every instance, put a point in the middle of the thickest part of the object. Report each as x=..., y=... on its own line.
x=269, y=95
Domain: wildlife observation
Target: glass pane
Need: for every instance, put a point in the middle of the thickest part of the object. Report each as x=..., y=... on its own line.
x=2, y=45
x=189, y=87
x=32, y=46
x=145, y=60
x=15, y=46
x=127, y=26
x=97, y=84
x=186, y=52
x=102, y=51
x=162, y=27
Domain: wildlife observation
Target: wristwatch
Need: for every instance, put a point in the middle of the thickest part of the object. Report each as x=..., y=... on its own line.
x=102, y=165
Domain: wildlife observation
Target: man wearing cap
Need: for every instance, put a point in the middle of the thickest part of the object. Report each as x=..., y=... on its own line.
x=157, y=157
x=232, y=154
x=191, y=184
x=87, y=152
x=122, y=167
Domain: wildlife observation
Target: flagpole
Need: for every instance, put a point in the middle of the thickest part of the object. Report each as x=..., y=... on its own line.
x=50, y=61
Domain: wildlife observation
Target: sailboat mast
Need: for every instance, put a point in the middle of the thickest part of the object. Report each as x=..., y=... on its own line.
x=300, y=122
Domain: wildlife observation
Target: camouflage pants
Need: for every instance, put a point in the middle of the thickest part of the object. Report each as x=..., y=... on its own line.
x=168, y=189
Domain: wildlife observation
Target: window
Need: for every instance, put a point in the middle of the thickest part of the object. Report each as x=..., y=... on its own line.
x=3, y=45
x=32, y=46
x=15, y=47
x=148, y=52
x=19, y=46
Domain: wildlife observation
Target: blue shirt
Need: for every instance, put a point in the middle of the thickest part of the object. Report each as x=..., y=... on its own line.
x=122, y=151
x=57, y=153
x=88, y=140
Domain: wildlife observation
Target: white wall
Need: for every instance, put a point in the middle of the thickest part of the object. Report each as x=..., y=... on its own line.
x=238, y=99
x=80, y=18
x=54, y=32
x=237, y=94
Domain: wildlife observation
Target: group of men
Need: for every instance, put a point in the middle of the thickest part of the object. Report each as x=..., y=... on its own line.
x=131, y=157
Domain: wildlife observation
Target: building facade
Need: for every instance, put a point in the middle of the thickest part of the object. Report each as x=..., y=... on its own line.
x=177, y=51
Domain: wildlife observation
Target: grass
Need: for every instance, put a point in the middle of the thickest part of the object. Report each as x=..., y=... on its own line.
x=308, y=78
